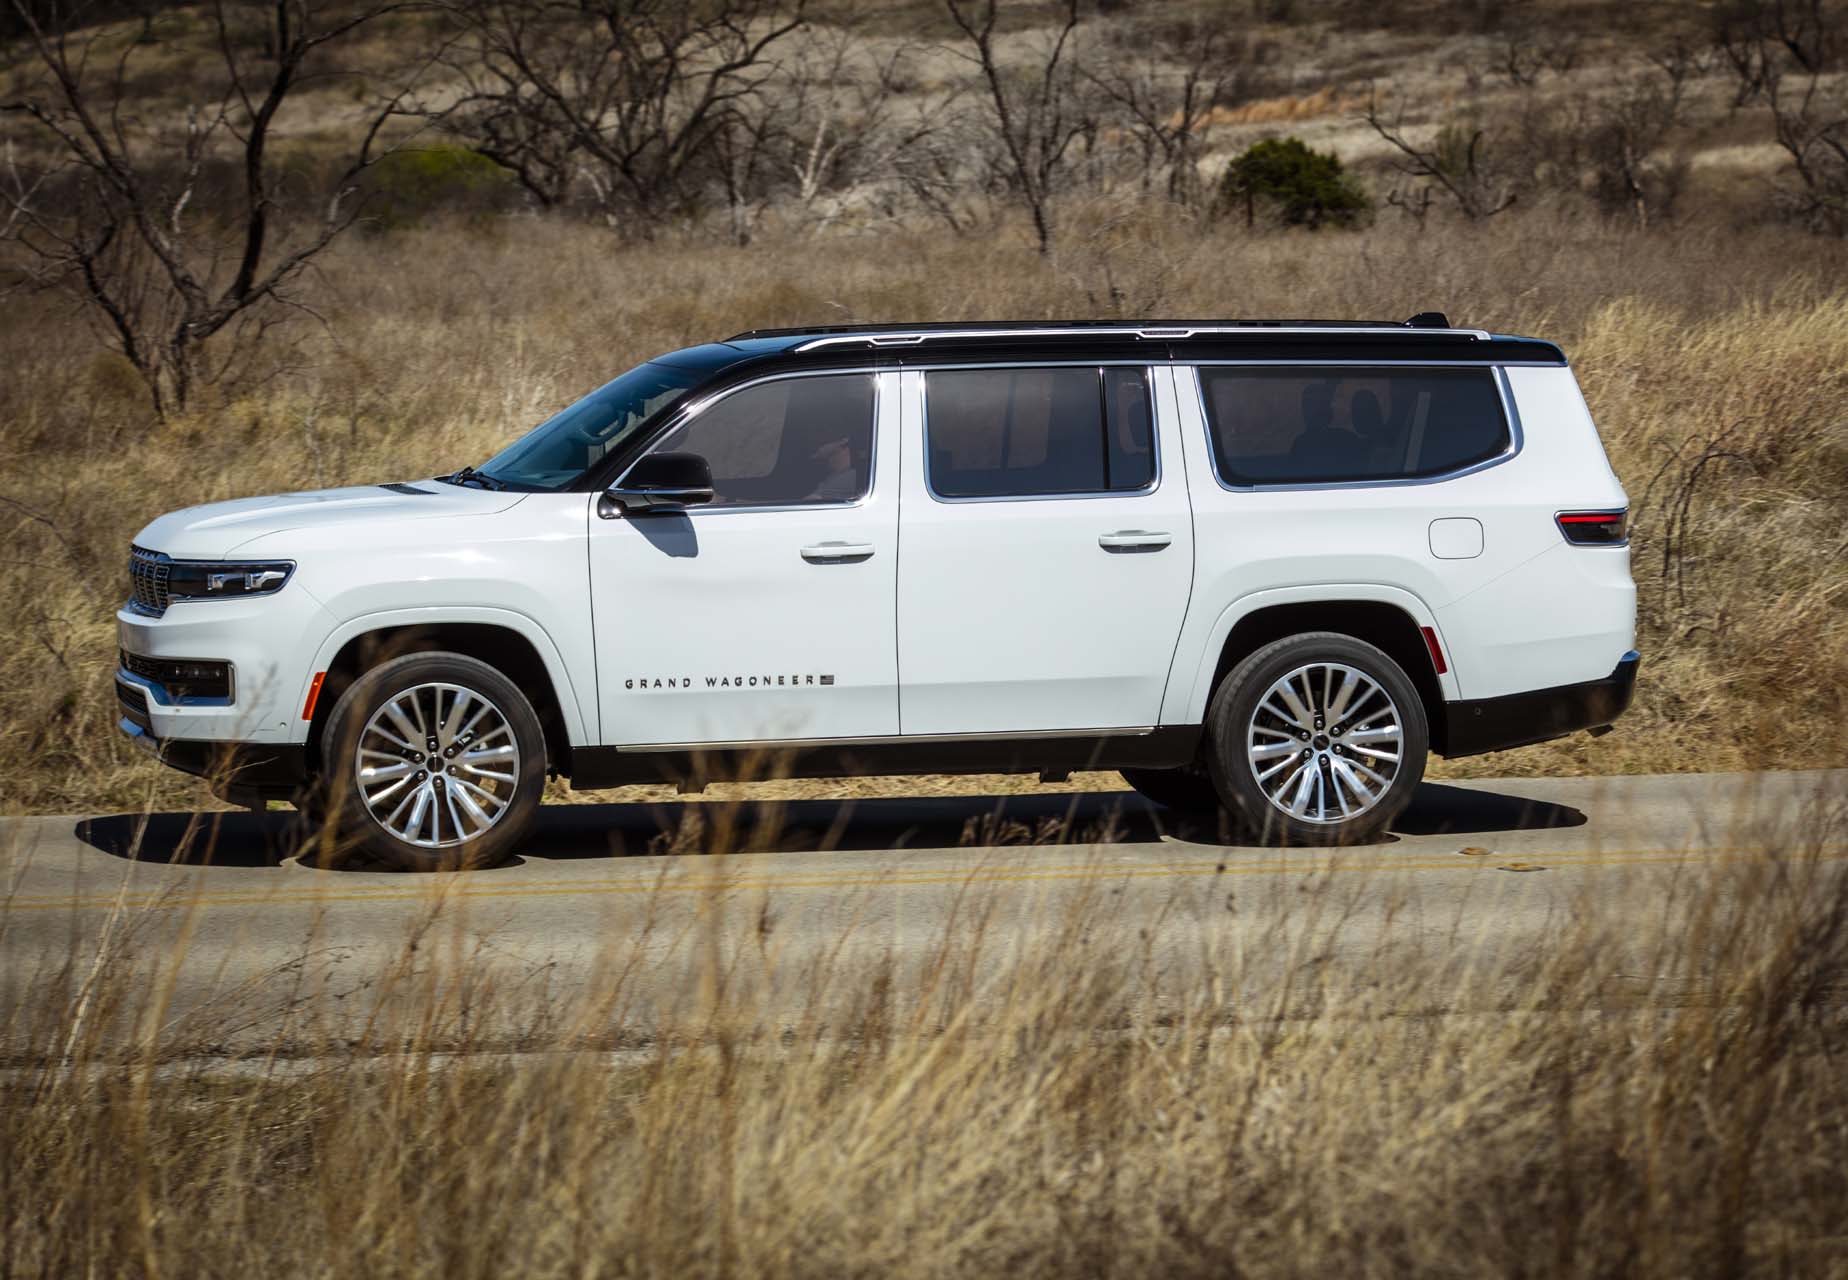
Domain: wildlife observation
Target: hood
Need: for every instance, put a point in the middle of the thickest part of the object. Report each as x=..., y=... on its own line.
x=219, y=528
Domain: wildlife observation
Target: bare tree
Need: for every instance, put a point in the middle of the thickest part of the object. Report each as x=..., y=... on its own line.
x=1458, y=163
x=1033, y=112
x=1629, y=137
x=848, y=122
x=1810, y=117
x=1758, y=38
x=172, y=234
x=1787, y=53
x=1166, y=103
x=1527, y=53
x=630, y=98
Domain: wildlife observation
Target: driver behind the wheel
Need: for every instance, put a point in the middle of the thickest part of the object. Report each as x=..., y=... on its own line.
x=841, y=482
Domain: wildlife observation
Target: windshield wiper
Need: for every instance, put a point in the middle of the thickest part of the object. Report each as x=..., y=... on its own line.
x=481, y=479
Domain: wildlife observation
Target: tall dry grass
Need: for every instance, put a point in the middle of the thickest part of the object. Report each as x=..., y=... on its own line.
x=1653, y=1093
x=1714, y=361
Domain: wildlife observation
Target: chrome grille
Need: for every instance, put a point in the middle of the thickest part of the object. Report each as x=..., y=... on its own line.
x=148, y=572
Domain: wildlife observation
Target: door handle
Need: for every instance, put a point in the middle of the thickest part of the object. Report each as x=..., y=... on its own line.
x=1134, y=540
x=838, y=552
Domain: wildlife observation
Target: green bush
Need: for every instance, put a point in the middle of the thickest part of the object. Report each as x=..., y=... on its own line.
x=1306, y=188
x=406, y=187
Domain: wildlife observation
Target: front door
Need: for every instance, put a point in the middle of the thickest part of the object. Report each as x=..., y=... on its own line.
x=768, y=615
x=1046, y=550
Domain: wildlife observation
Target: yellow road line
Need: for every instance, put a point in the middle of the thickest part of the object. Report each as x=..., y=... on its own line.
x=745, y=881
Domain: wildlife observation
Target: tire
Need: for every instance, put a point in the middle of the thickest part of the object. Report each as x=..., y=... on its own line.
x=1186, y=790
x=1353, y=791
x=465, y=795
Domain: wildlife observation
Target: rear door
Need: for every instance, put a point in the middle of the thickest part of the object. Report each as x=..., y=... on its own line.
x=1046, y=549
x=768, y=615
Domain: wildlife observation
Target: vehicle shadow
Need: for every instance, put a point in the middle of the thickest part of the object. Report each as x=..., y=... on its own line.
x=582, y=831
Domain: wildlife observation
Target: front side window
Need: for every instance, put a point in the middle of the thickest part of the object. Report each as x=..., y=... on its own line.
x=790, y=442
x=1334, y=425
x=994, y=433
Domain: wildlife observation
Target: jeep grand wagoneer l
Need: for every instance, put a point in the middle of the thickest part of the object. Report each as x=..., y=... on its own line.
x=1266, y=566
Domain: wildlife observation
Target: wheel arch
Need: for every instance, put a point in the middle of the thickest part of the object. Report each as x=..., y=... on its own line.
x=508, y=649
x=1391, y=625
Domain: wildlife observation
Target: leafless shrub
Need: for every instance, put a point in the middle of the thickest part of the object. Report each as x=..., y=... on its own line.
x=1783, y=53
x=851, y=124
x=1524, y=56
x=1460, y=163
x=635, y=100
x=174, y=234
x=1628, y=143
x=1756, y=37
x=1164, y=94
x=1810, y=119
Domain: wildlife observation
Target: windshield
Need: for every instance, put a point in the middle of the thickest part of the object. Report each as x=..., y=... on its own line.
x=561, y=448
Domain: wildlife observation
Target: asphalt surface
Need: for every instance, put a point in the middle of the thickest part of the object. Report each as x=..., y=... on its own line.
x=617, y=918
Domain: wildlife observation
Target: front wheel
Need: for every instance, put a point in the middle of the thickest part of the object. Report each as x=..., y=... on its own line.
x=1317, y=739
x=434, y=761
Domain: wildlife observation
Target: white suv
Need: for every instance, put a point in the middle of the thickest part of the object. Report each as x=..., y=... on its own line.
x=1262, y=566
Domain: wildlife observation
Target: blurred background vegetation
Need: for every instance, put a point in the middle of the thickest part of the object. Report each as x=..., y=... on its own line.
x=248, y=247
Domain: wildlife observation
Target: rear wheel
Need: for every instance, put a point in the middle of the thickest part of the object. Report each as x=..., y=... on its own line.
x=434, y=761
x=1317, y=739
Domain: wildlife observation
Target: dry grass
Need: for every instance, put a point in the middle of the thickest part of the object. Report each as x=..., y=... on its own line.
x=1713, y=361
x=1654, y=1096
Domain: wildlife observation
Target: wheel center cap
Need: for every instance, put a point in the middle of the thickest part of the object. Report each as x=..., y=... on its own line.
x=1321, y=742
x=435, y=764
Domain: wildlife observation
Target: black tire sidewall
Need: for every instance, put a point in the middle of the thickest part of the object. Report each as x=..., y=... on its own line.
x=1237, y=697
x=387, y=680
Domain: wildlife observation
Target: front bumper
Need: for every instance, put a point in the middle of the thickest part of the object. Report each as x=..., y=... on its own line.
x=233, y=770
x=269, y=642
x=1521, y=719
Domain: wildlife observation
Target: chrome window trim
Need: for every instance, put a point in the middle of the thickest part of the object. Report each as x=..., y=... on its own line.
x=1151, y=487
x=1516, y=436
x=694, y=408
x=890, y=739
x=918, y=337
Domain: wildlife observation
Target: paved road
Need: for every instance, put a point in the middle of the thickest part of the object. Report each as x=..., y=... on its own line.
x=234, y=943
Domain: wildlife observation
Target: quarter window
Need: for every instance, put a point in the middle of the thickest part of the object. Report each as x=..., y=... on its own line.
x=1332, y=425
x=1038, y=432
x=790, y=442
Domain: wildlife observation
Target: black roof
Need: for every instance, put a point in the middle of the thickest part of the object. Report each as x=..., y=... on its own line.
x=1080, y=328
x=1425, y=339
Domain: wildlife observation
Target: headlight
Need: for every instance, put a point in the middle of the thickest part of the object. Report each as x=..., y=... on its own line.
x=225, y=579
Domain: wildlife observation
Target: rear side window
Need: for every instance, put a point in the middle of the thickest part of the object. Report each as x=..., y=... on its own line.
x=790, y=442
x=997, y=433
x=1314, y=426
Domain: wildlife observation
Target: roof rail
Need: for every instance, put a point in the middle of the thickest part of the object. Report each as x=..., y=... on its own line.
x=1426, y=323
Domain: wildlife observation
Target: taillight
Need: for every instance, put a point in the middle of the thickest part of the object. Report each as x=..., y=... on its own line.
x=1594, y=528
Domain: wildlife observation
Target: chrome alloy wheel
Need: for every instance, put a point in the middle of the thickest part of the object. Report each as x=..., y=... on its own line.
x=1325, y=742
x=437, y=765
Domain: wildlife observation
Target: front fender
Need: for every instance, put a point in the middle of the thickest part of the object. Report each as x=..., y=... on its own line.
x=574, y=705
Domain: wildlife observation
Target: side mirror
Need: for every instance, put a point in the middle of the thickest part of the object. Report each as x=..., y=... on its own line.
x=659, y=482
